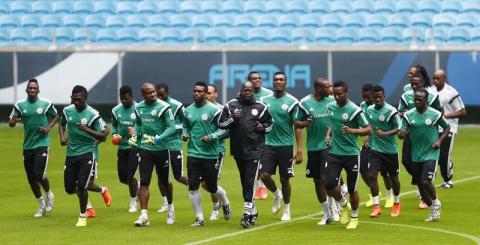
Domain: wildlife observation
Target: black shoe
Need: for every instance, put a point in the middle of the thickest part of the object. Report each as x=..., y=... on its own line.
x=245, y=221
x=227, y=211
x=253, y=218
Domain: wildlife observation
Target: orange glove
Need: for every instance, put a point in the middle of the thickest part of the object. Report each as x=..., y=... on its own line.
x=116, y=139
x=131, y=131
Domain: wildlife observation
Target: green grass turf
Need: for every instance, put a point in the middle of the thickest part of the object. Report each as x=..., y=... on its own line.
x=114, y=225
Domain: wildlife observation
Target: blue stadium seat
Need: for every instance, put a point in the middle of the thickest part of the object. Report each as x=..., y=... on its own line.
x=399, y=20
x=213, y=36
x=138, y=21
x=105, y=36
x=443, y=21
x=368, y=36
x=20, y=7
x=409, y=34
x=458, y=35
x=170, y=36
x=254, y=7
x=115, y=21
x=19, y=35
x=245, y=20
x=257, y=36
x=332, y=20
x=235, y=36
x=180, y=21
x=232, y=7
x=439, y=36
x=467, y=20
x=4, y=36
x=223, y=20
x=41, y=36
x=189, y=35
x=63, y=35
x=83, y=35
x=62, y=7
x=9, y=21
x=159, y=20
x=148, y=35
x=324, y=36
x=104, y=7
x=391, y=35
x=190, y=7
x=126, y=8
x=73, y=21
x=451, y=6
x=150, y=7
x=82, y=7
x=406, y=6
x=301, y=35
x=428, y=6
x=363, y=7
x=202, y=21
x=319, y=7
x=31, y=21
x=310, y=21
x=127, y=36
x=475, y=35
x=297, y=7
x=353, y=20
x=421, y=20
x=40, y=7
x=346, y=36
x=288, y=20
x=472, y=7
x=279, y=36
x=385, y=7
x=376, y=21
x=94, y=21
x=267, y=20
x=211, y=7
x=4, y=9
x=342, y=7
x=275, y=7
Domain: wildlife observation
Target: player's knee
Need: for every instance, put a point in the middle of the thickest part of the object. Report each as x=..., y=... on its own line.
x=284, y=180
x=426, y=182
x=330, y=184
x=212, y=189
x=265, y=175
x=372, y=175
x=70, y=189
x=123, y=179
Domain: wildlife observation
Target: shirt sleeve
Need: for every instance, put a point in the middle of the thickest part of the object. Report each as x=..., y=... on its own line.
x=436, y=104
x=302, y=113
x=401, y=105
x=361, y=120
x=294, y=112
x=51, y=111
x=266, y=120
x=63, y=119
x=405, y=123
x=169, y=120
x=442, y=122
x=15, y=112
x=457, y=103
x=99, y=125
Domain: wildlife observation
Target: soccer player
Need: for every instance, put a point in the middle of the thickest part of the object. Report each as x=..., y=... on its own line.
x=279, y=144
x=38, y=116
x=81, y=126
x=422, y=124
x=385, y=123
x=314, y=116
x=347, y=123
x=123, y=118
x=247, y=142
x=254, y=77
x=202, y=125
x=154, y=117
x=453, y=108
x=175, y=141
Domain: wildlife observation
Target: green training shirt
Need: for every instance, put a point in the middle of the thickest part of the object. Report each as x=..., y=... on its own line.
x=284, y=111
x=385, y=119
x=122, y=119
x=317, y=132
x=364, y=106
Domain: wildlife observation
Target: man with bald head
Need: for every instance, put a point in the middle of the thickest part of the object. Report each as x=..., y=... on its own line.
x=453, y=108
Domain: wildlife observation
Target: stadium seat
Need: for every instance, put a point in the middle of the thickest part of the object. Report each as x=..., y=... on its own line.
x=148, y=35
x=83, y=35
x=296, y=7
x=19, y=35
x=385, y=7
x=115, y=21
x=458, y=35
x=245, y=20
x=190, y=7
x=9, y=21
x=353, y=20
x=41, y=36
x=189, y=35
x=20, y=7
x=223, y=20
x=275, y=7
x=341, y=7
x=40, y=7
x=360, y=7
x=376, y=21
x=170, y=36
x=127, y=36
x=4, y=36
x=428, y=6
x=105, y=36
x=4, y=9
x=257, y=36
x=346, y=36
x=451, y=6
x=232, y=7
x=288, y=20
x=31, y=21
x=213, y=36
x=300, y=35
x=94, y=21
x=211, y=7
x=149, y=7
x=421, y=20
x=411, y=34
x=126, y=8
x=138, y=21
x=319, y=7
x=72, y=20
x=279, y=36
x=406, y=6
x=62, y=7
x=391, y=35
x=466, y=20
x=332, y=20
x=63, y=35
x=439, y=36
x=471, y=6
x=159, y=20
x=324, y=36
x=202, y=21
x=254, y=7
x=180, y=21
x=267, y=20
x=475, y=35
x=443, y=21
x=51, y=21
x=104, y=7
x=310, y=21
x=368, y=36
x=399, y=20
x=235, y=36
x=82, y=7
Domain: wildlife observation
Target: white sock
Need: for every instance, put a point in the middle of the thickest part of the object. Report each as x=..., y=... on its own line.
x=222, y=195
x=396, y=199
x=254, y=209
x=344, y=189
x=196, y=201
x=418, y=193
x=260, y=183
x=50, y=194
x=144, y=212
x=390, y=192
x=287, y=206
x=170, y=206
x=332, y=204
x=326, y=210
x=165, y=201
x=436, y=202
x=41, y=202
x=133, y=200
x=89, y=205
x=83, y=215
x=103, y=189
x=376, y=200
x=248, y=207
x=355, y=213
x=343, y=202
x=216, y=206
x=278, y=193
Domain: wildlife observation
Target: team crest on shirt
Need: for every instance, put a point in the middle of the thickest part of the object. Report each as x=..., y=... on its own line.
x=154, y=112
x=382, y=118
x=345, y=116
x=133, y=116
x=24, y=111
x=83, y=121
x=284, y=107
x=254, y=112
x=204, y=117
x=39, y=110
x=428, y=121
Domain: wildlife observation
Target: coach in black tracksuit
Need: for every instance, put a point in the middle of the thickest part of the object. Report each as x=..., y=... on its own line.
x=247, y=141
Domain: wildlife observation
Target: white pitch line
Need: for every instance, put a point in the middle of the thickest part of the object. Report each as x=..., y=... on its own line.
x=308, y=216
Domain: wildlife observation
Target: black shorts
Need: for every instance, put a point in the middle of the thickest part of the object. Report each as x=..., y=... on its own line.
x=94, y=174
x=386, y=163
x=35, y=162
x=202, y=169
x=77, y=172
x=127, y=164
x=333, y=171
x=364, y=158
x=424, y=171
x=176, y=161
x=157, y=159
x=281, y=156
x=316, y=164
